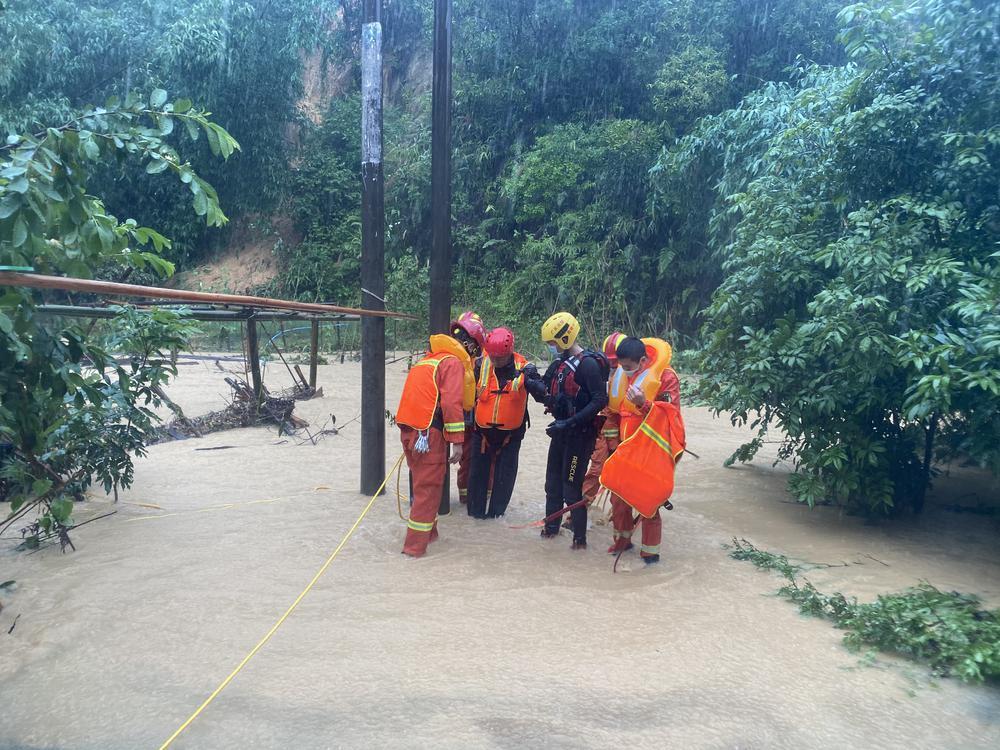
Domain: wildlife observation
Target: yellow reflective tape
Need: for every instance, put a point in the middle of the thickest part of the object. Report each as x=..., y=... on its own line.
x=650, y=549
x=623, y=534
x=418, y=526
x=454, y=426
x=462, y=492
x=657, y=438
x=610, y=433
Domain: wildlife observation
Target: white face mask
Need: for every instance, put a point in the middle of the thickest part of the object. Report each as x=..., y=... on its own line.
x=630, y=373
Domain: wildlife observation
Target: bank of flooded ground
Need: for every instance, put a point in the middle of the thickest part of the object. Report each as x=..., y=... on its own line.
x=496, y=639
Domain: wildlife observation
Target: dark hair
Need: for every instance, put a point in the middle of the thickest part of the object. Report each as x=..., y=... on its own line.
x=631, y=348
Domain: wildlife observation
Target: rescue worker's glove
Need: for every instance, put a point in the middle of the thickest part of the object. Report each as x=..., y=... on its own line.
x=536, y=387
x=531, y=372
x=558, y=427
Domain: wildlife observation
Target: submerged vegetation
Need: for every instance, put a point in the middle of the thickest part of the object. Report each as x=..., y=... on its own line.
x=948, y=631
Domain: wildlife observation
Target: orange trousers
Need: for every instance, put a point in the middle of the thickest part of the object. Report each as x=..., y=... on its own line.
x=427, y=473
x=622, y=520
x=603, y=448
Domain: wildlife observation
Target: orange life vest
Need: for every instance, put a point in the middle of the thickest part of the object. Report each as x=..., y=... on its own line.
x=659, y=353
x=641, y=470
x=419, y=402
x=500, y=407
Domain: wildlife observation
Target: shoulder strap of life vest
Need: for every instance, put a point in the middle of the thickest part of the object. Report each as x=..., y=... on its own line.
x=602, y=362
x=445, y=346
x=442, y=344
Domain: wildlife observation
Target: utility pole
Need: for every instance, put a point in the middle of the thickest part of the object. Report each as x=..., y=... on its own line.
x=372, y=253
x=440, y=257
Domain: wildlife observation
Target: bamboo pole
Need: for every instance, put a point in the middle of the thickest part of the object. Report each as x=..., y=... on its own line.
x=195, y=313
x=313, y=353
x=253, y=359
x=92, y=286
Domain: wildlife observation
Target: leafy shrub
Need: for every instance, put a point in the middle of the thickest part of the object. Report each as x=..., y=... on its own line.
x=858, y=217
x=950, y=632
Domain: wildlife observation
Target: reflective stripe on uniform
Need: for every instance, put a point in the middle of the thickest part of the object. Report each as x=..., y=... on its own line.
x=484, y=376
x=454, y=426
x=649, y=549
x=610, y=433
x=622, y=534
x=418, y=526
x=462, y=491
x=656, y=437
x=616, y=382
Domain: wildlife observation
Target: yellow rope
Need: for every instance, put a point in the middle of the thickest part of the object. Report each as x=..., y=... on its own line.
x=399, y=496
x=274, y=628
x=224, y=506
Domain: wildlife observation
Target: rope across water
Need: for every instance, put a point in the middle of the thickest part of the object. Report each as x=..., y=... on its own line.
x=291, y=608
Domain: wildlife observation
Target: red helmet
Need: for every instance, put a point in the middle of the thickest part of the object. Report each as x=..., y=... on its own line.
x=472, y=324
x=499, y=342
x=610, y=347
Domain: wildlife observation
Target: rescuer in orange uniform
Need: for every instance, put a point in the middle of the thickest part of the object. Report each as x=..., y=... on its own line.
x=438, y=390
x=472, y=325
x=500, y=422
x=607, y=438
x=644, y=375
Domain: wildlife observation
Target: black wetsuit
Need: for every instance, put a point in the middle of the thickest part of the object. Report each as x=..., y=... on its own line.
x=574, y=390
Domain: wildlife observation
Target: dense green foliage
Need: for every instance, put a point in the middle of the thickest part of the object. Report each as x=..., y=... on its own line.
x=241, y=60
x=950, y=632
x=71, y=413
x=611, y=83
x=568, y=104
x=858, y=212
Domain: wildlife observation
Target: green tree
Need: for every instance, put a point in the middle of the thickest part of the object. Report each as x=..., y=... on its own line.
x=243, y=60
x=580, y=236
x=858, y=215
x=71, y=413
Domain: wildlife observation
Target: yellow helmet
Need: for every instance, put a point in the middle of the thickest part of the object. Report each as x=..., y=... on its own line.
x=562, y=328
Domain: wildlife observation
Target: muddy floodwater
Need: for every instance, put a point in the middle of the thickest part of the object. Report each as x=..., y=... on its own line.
x=496, y=639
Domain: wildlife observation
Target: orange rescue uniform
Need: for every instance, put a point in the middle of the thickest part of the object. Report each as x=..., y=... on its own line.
x=431, y=415
x=606, y=443
x=669, y=388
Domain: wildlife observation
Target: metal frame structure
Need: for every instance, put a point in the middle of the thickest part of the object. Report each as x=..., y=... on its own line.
x=246, y=309
x=247, y=316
